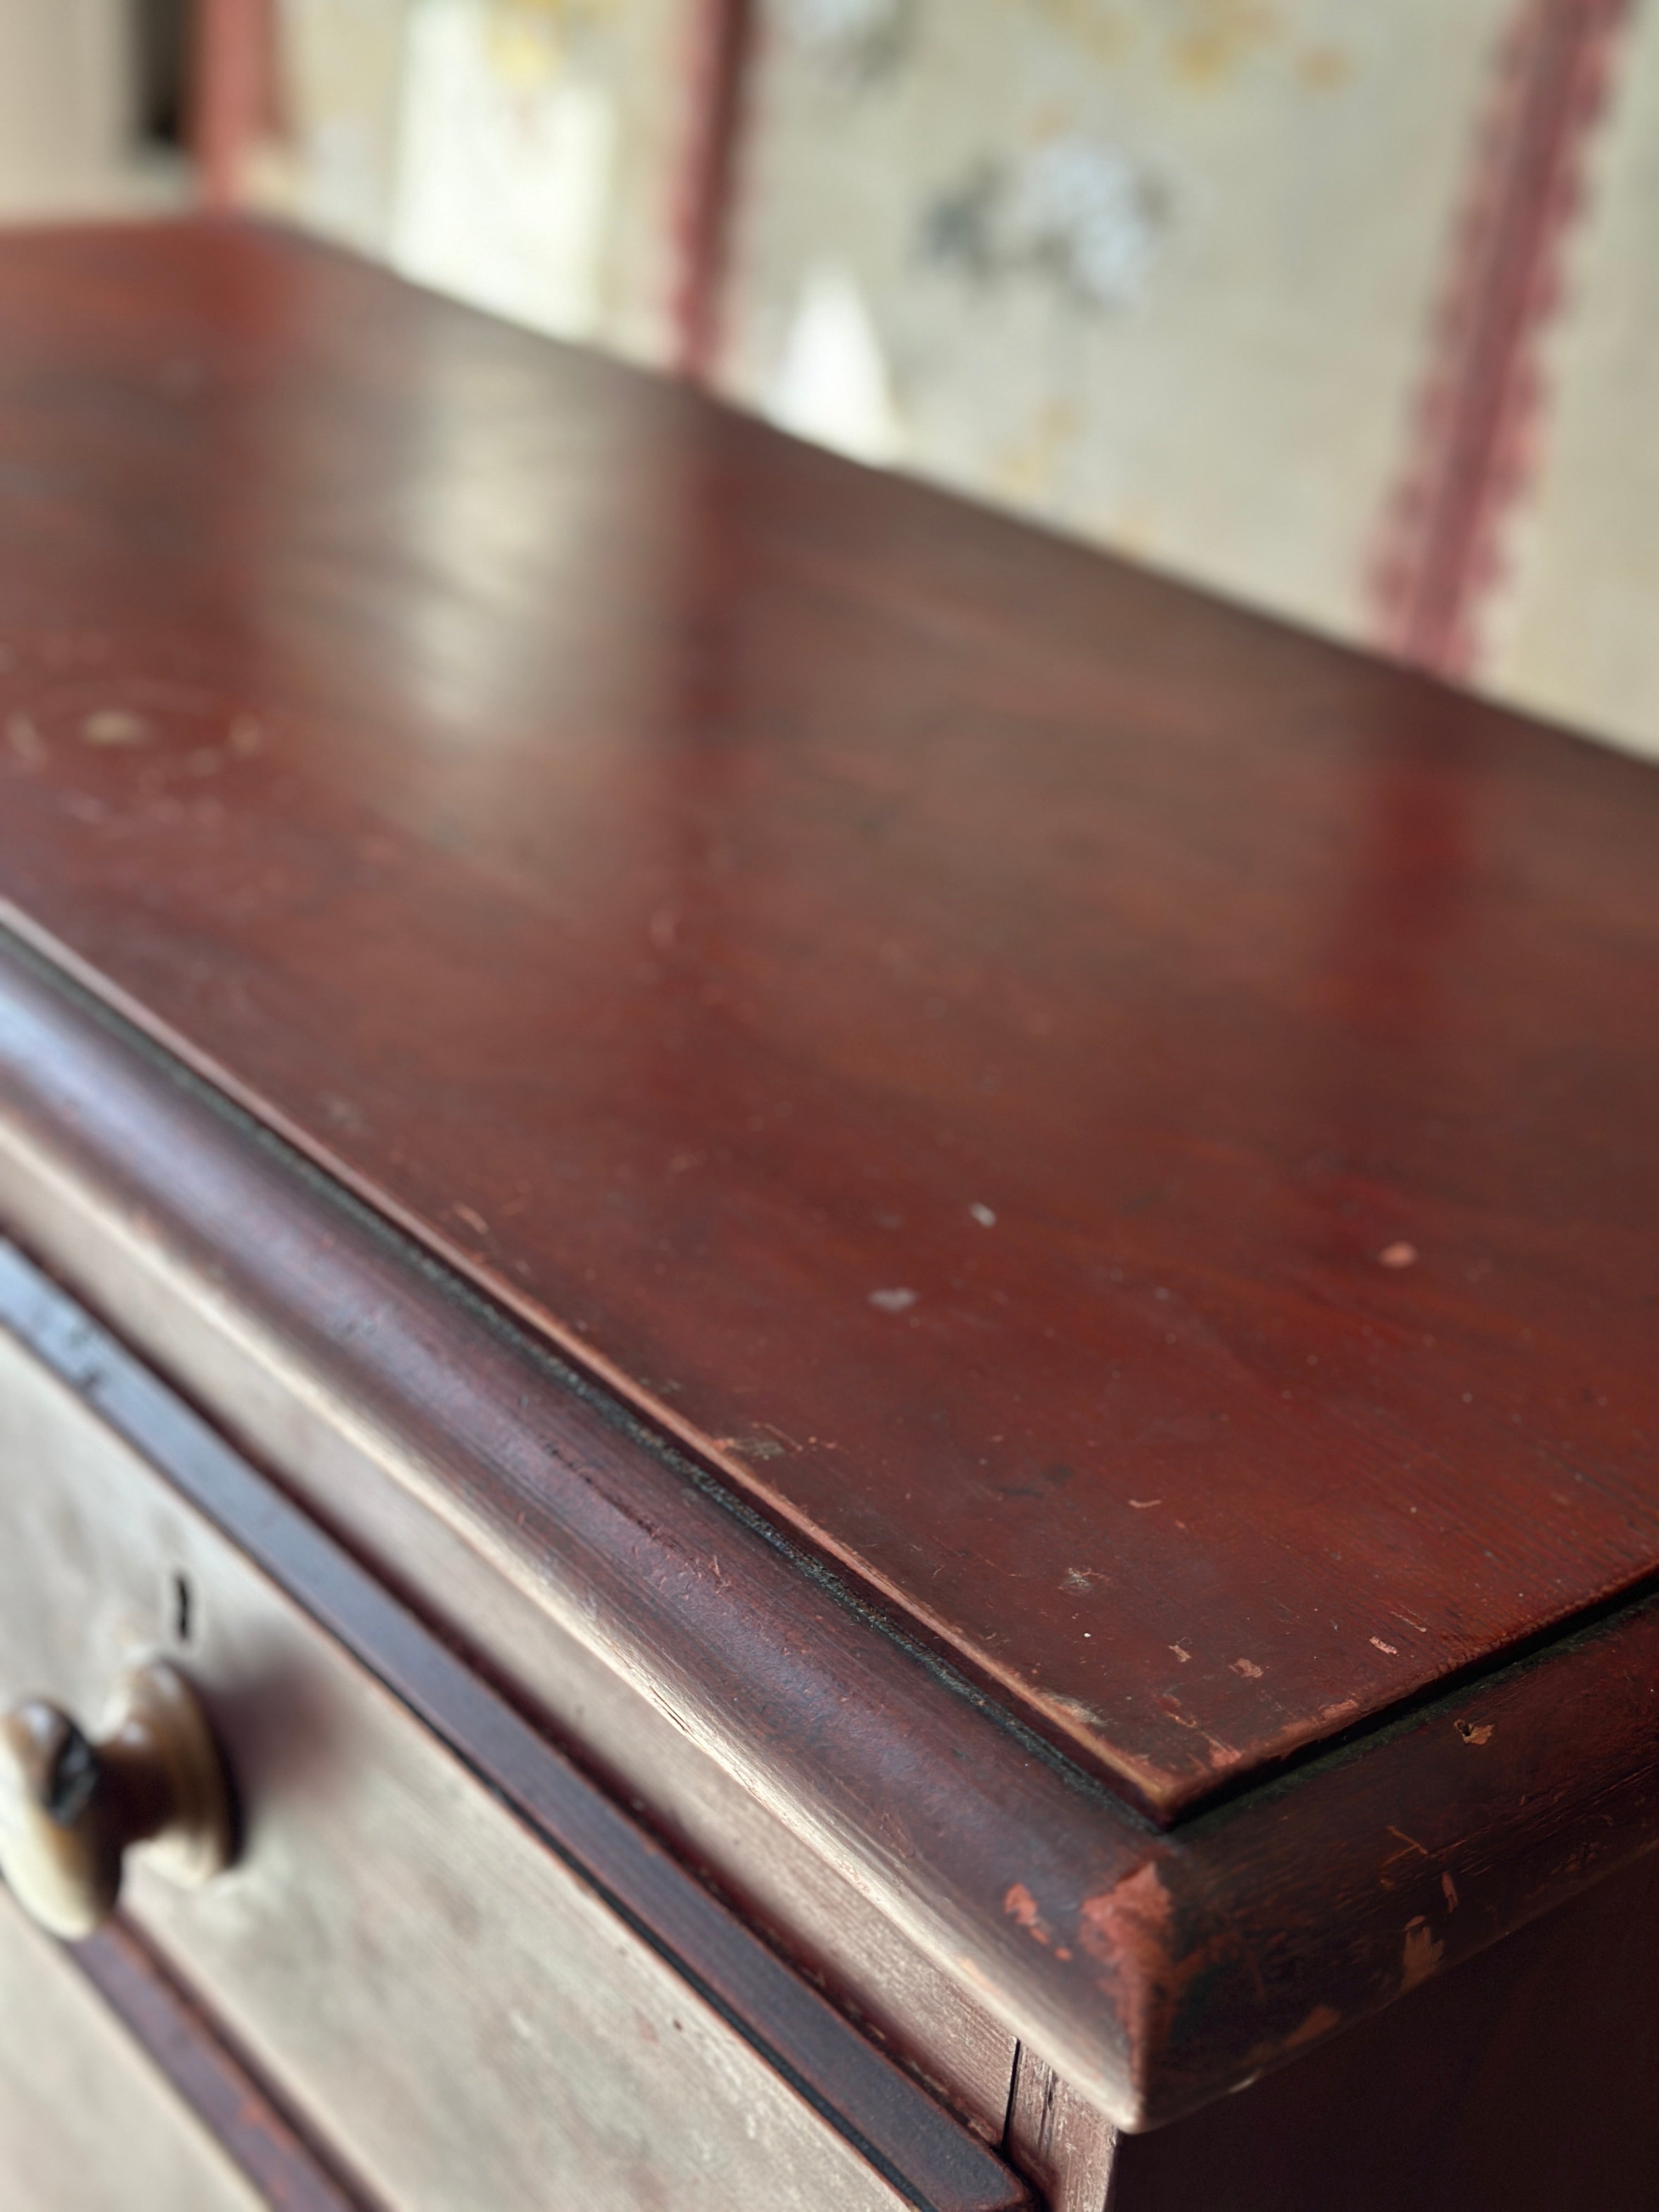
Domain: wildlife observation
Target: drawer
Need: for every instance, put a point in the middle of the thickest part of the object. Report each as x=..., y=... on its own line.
x=420, y=1963
x=86, y=2121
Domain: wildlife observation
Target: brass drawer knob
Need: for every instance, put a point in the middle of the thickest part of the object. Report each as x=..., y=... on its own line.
x=70, y=1808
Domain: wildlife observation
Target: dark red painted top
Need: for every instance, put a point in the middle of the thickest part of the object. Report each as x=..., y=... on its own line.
x=1135, y=1127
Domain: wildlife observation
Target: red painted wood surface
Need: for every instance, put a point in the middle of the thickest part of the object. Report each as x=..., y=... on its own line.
x=1156, y=1971
x=961, y=1029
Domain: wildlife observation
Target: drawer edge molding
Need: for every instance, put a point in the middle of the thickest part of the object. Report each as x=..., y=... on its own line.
x=927, y=2156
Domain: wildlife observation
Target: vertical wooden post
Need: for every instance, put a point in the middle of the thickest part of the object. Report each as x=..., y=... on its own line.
x=721, y=45
x=229, y=93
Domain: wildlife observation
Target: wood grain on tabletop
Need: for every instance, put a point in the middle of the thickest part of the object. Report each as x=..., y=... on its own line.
x=1130, y=1126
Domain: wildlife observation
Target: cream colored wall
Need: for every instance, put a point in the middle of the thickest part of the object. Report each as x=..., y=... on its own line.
x=1162, y=273
x=515, y=152
x=66, y=114
x=1265, y=192
x=341, y=63
x=1572, y=631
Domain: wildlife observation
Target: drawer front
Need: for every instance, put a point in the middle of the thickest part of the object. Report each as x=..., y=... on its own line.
x=86, y=2121
x=467, y=2021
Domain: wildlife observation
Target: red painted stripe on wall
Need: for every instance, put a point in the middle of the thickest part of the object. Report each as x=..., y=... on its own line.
x=231, y=93
x=1479, y=413
x=720, y=46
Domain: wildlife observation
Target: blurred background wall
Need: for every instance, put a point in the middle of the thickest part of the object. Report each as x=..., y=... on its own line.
x=89, y=123
x=1348, y=311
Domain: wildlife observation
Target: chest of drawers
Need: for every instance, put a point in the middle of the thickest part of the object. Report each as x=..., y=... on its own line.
x=864, y=1314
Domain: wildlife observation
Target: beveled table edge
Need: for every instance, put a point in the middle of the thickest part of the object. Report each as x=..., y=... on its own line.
x=1156, y=1969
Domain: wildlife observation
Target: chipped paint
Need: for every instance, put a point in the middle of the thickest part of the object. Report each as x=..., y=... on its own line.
x=1078, y=1710
x=1319, y=2023
x=1021, y=1906
x=1128, y=1927
x=1423, y=1953
x=1131, y=1931
x=1473, y=1732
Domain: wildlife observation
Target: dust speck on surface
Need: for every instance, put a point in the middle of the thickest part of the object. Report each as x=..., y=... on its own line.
x=983, y=1215
x=1076, y=1580
x=474, y=1220
x=893, y=1302
x=1144, y=1505
x=343, y=1113
x=1184, y=1656
x=752, y=1446
x=1397, y=1254
x=1248, y=1668
x=1392, y=1650
x=115, y=726
x=1473, y=1732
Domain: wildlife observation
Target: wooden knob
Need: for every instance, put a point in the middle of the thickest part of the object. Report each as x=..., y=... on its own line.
x=70, y=1808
